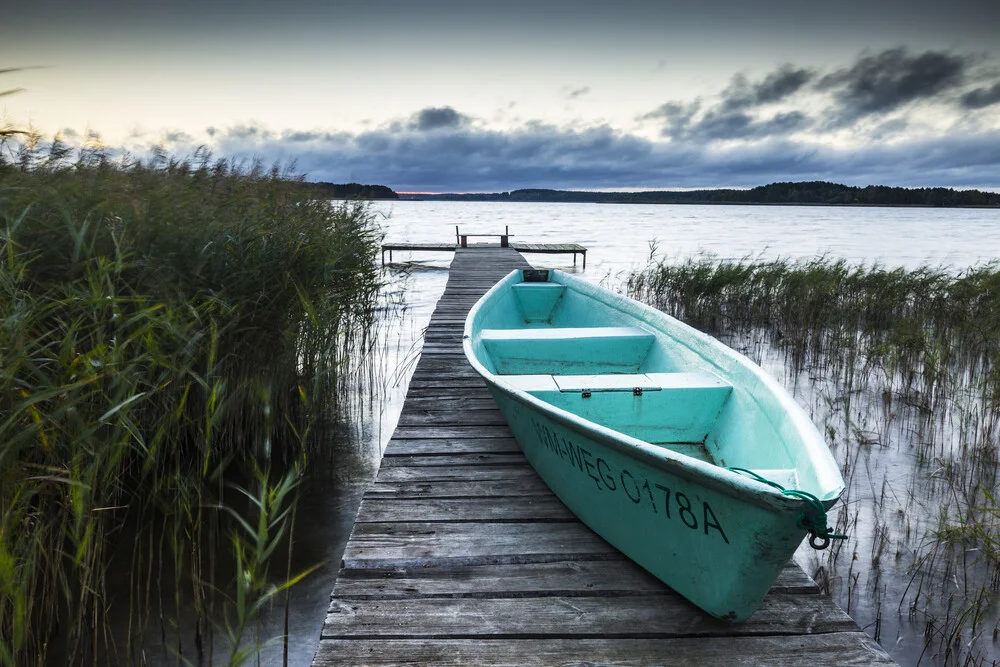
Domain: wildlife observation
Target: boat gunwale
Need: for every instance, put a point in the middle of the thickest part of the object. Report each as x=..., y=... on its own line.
x=700, y=472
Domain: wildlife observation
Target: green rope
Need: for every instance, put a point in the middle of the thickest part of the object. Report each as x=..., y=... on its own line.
x=813, y=519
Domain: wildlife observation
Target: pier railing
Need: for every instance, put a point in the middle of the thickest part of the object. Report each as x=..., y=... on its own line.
x=462, y=240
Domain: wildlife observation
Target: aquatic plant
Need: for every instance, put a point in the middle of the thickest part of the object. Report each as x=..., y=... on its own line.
x=898, y=368
x=164, y=325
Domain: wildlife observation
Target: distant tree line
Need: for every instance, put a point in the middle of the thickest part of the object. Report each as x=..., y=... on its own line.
x=324, y=190
x=821, y=192
x=812, y=192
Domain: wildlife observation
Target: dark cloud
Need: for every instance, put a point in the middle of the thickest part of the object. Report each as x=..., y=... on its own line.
x=715, y=126
x=178, y=137
x=889, y=129
x=676, y=116
x=464, y=159
x=886, y=81
x=734, y=117
x=873, y=86
x=775, y=87
x=301, y=136
x=681, y=122
x=780, y=84
x=578, y=92
x=981, y=97
x=437, y=118
x=539, y=155
x=728, y=126
x=781, y=124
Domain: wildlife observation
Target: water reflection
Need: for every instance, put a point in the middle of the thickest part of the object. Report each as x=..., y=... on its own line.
x=927, y=598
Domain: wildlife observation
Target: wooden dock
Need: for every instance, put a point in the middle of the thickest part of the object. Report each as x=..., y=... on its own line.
x=539, y=248
x=460, y=555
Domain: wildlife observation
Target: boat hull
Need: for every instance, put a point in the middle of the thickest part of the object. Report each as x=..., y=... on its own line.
x=640, y=425
x=712, y=547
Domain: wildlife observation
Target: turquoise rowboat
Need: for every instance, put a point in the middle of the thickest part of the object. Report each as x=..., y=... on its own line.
x=680, y=452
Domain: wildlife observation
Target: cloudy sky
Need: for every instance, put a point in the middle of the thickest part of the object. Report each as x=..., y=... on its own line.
x=480, y=95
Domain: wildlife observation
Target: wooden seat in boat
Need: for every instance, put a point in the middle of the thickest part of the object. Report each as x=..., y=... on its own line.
x=655, y=407
x=567, y=350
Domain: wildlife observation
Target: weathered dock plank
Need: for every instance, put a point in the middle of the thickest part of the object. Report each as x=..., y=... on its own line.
x=438, y=446
x=393, y=474
x=435, y=544
x=448, y=393
x=461, y=555
x=850, y=648
x=565, y=578
x=465, y=459
x=528, y=508
x=436, y=431
x=471, y=416
x=490, y=488
x=664, y=616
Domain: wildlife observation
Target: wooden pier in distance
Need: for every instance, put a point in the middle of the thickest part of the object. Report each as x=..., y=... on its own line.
x=462, y=241
x=460, y=554
x=540, y=248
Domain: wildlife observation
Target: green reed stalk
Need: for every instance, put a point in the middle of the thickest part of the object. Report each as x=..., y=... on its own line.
x=910, y=354
x=163, y=324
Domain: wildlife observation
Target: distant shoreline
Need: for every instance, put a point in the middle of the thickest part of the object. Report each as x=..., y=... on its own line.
x=696, y=203
x=811, y=193
x=779, y=203
x=807, y=193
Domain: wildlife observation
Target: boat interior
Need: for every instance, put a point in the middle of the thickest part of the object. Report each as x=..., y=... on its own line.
x=618, y=374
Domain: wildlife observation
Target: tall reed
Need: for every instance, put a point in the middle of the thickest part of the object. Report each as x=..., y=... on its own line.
x=901, y=369
x=163, y=324
x=917, y=322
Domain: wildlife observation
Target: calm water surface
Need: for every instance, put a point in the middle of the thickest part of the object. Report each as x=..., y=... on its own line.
x=620, y=238
x=894, y=503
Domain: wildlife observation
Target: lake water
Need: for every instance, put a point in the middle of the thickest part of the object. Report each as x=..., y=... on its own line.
x=894, y=504
x=621, y=238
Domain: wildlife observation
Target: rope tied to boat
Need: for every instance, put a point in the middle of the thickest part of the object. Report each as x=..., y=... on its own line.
x=813, y=519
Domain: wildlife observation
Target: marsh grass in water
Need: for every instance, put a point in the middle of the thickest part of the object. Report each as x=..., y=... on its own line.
x=165, y=325
x=901, y=370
